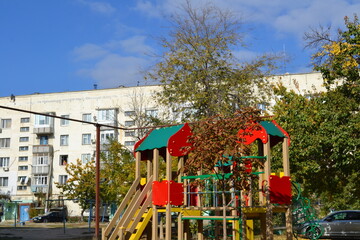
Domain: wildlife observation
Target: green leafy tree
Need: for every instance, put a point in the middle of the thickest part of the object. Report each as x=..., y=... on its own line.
x=201, y=77
x=80, y=184
x=116, y=173
x=325, y=142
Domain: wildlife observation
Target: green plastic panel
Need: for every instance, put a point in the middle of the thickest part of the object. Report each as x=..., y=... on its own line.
x=158, y=138
x=271, y=129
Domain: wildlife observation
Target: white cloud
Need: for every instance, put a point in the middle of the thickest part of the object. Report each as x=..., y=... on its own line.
x=99, y=7
x=89, y=52
x=115, y=70
x=294, y=17
x=135, y=44
x=117, y=62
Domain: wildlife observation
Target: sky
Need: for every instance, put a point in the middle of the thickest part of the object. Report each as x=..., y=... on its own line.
x=71, y=45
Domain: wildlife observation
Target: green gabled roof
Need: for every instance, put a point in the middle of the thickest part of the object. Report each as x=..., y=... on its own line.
x=272, y=129
x=158, y=138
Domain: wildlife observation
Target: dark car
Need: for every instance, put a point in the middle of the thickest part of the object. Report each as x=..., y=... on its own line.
x=337, y=225
x=56, y=216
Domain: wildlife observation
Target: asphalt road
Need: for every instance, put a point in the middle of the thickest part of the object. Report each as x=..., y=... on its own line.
x=47, y=231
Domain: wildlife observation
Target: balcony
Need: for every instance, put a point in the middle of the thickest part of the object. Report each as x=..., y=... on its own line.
x=113, y=123
x=42, y=149
x=39, y=188
x=40, y=169
x=43, y=130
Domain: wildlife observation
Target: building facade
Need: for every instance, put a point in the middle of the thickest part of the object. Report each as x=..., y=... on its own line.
x=34, y=149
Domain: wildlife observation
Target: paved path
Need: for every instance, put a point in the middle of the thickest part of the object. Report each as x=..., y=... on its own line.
x=46, y=232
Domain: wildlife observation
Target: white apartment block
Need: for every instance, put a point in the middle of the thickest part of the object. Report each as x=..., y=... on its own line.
x=34, y=149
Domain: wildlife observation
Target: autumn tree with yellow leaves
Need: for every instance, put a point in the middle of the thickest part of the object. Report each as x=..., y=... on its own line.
x=338, y=57
x=117, y=174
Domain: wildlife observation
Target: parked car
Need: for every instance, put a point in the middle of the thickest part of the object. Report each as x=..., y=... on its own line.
x=337, y=225
x=56, y=216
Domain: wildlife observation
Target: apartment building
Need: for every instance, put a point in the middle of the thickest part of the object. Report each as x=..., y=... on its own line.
x=34, y=149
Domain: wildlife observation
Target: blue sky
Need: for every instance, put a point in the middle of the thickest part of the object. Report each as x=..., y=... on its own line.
x=70, y=45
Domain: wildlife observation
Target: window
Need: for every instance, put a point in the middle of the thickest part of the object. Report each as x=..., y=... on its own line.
x=21, y=188
x=262, y=106
x=42, y=120
x=85, y=158
x=63, y=160
x=5, y=123
x=4, y=161
x=130, y=133
x=106, y=115
x=64, y=140
x=64, y=122
x=25, y=120
x=24, y=129
x=4, y=142
x=63, y=179
x=151, y=113
x=129, y=123
x=23, y=168
x=44, y=140
x=22, y=179
x=23, y=159
x=24, y=139
x=129, y=143
x=106, y=136
x=87, y=117
x=129, y=113
x=4, y=181
x=86, y=139
x=23, y=148
x=40, y=180
x=41, y=160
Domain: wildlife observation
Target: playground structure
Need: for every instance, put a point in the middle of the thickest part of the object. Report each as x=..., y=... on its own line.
x=217, y=209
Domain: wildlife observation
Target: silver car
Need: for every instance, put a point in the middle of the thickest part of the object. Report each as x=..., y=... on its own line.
x=337, y=225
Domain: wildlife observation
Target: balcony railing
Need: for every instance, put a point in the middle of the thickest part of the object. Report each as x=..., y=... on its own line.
x=43, y=130
x=40, y=169
x=42, y=149
x=39, y=188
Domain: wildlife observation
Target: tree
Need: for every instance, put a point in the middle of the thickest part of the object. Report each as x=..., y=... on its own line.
x=143, y=114
x=338, y=57
x=215, y=141
x=117, y=174
x=200, y=75
x=325, y=138
x=80, y=184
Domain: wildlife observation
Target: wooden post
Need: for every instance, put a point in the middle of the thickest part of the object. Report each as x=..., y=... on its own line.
x=137, y=164
x=269, y=215
x=286, y=161
x=148, y=169
x=261, y=176
x=168, y=205
x=200, y=233
x=286, y=166
x=155, y=217
x=180, y=174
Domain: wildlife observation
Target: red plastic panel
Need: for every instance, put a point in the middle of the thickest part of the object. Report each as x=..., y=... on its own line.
x=249, y=135
x=280, y=190
x=178, y=143
x=161, y=191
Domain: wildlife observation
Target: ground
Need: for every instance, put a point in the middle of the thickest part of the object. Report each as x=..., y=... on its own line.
x=46, y=231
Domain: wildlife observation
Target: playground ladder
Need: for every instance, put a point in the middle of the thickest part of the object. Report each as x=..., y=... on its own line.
x=132, y=209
